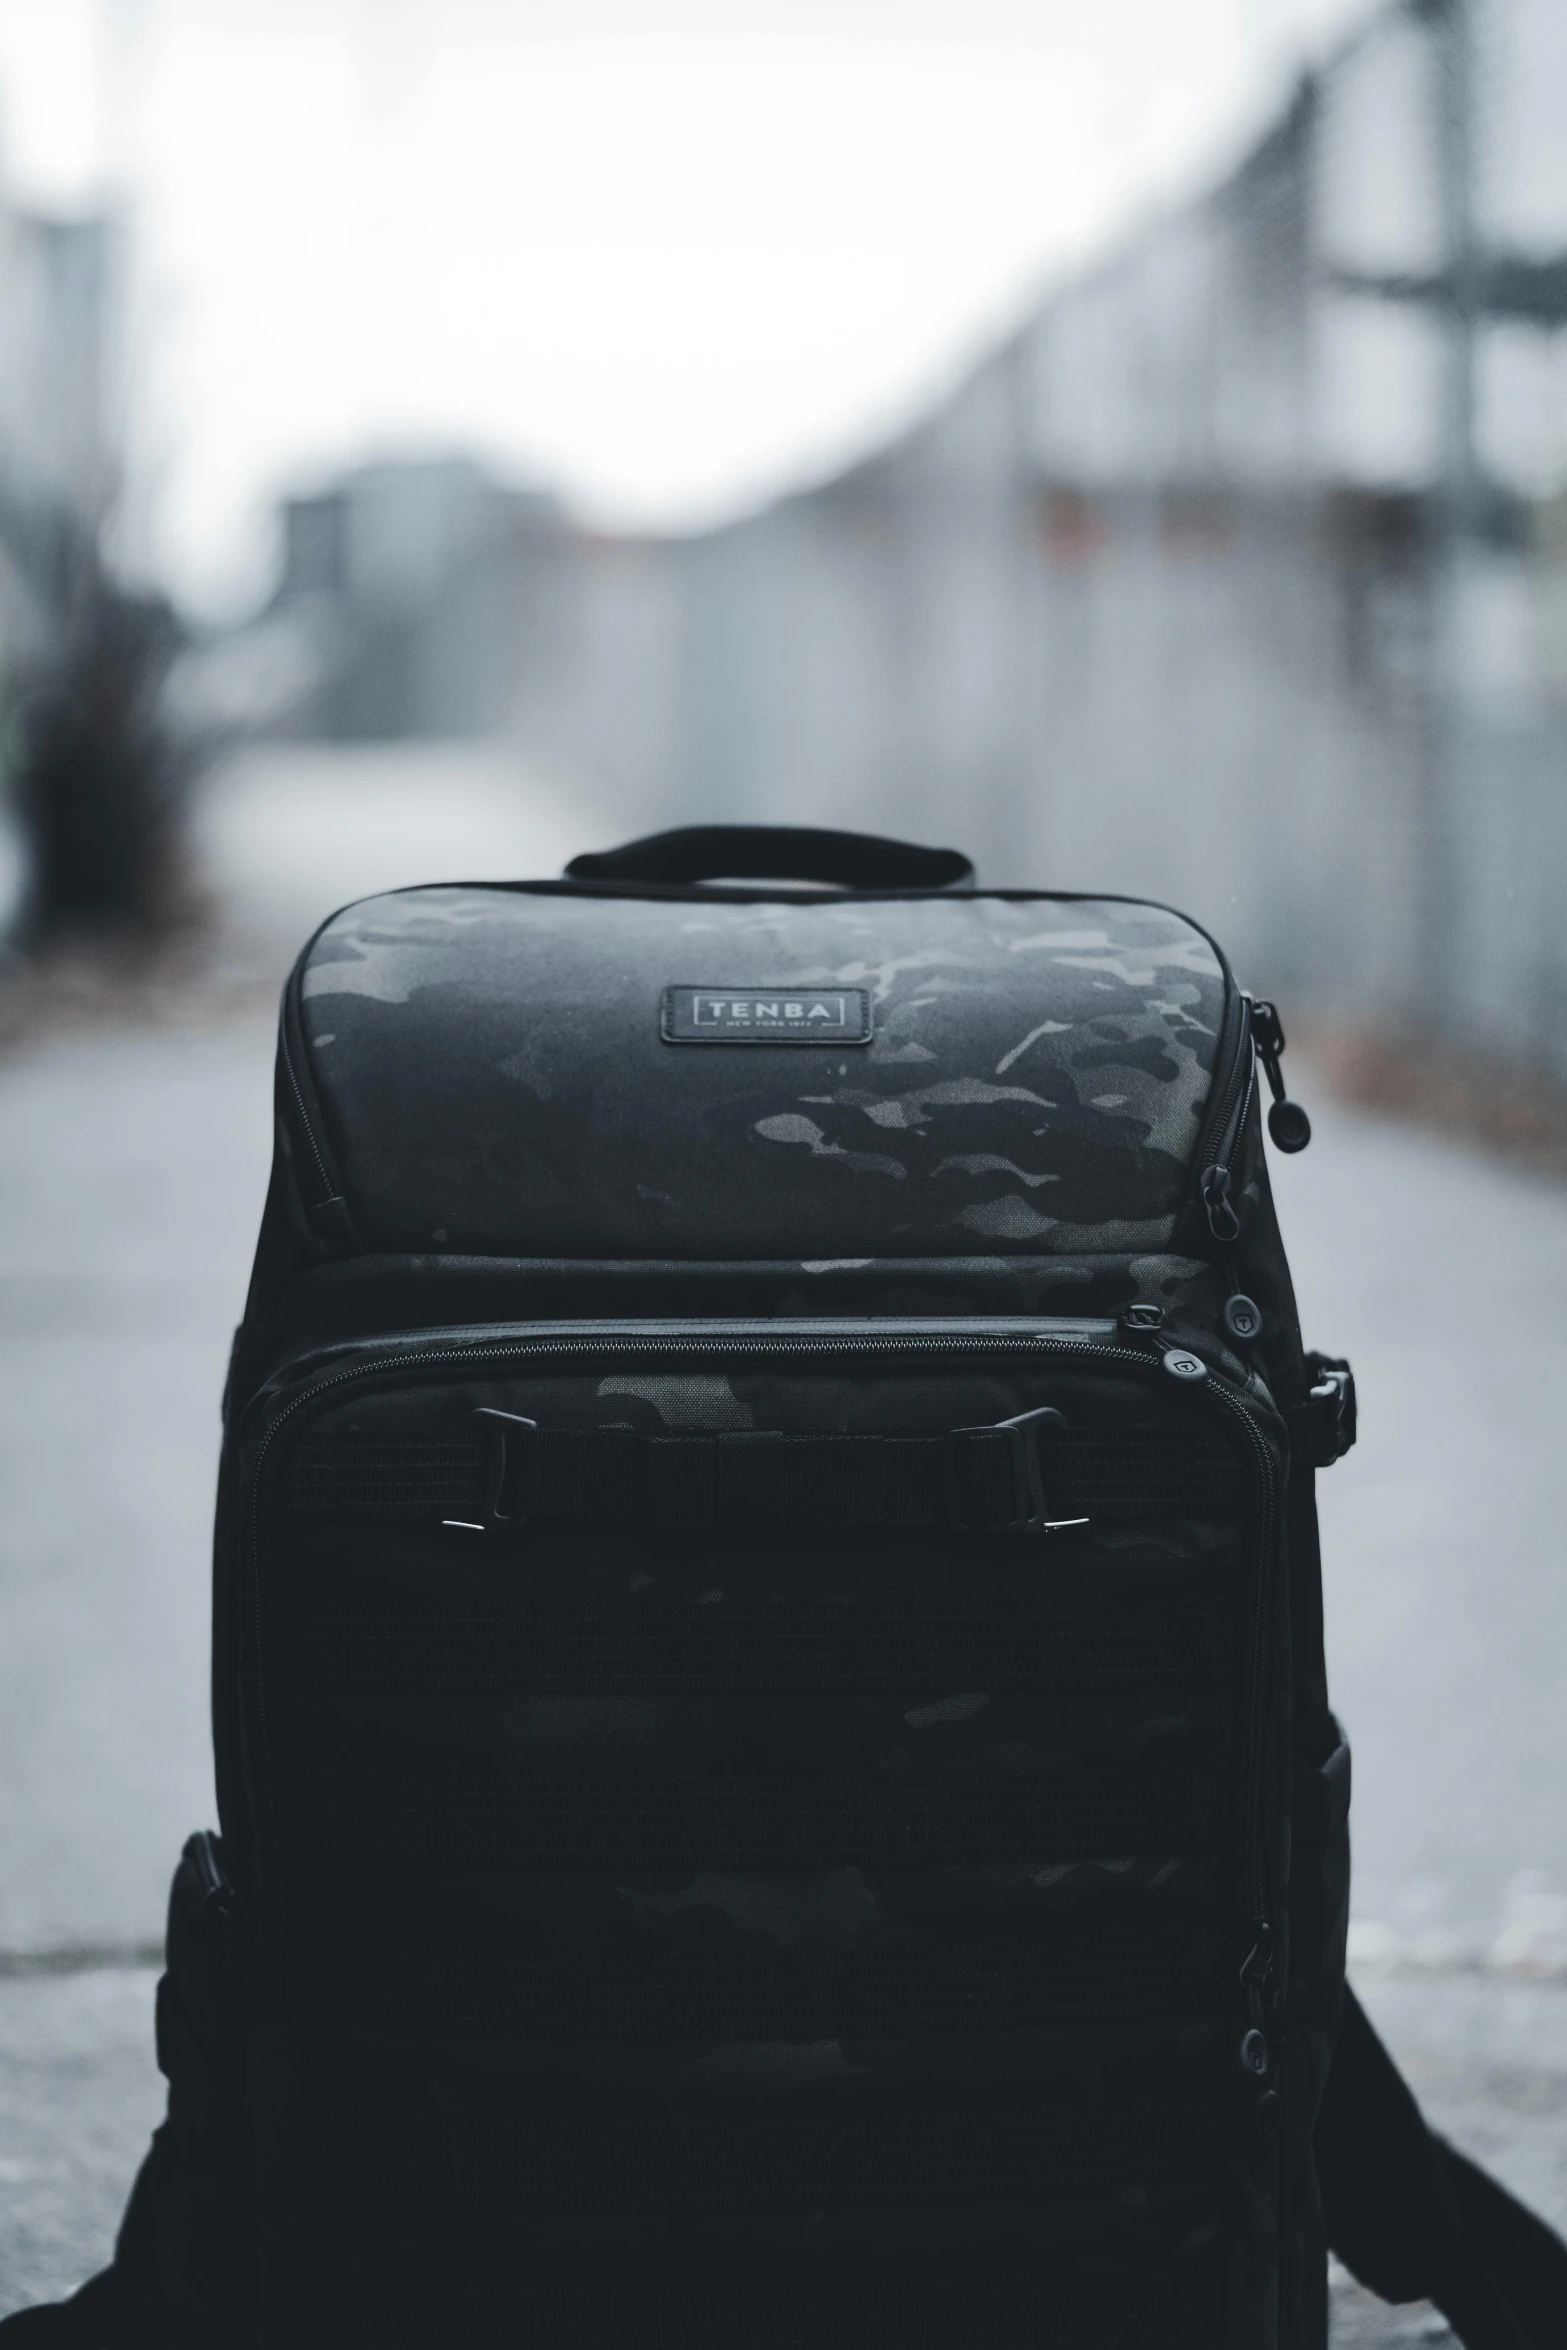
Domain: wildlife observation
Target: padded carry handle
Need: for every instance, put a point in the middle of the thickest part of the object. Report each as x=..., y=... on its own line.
x=775, y=852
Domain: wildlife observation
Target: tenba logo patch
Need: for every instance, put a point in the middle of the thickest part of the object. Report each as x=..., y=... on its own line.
x=765, y=1015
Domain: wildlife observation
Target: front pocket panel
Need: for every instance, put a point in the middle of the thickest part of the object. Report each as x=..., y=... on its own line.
x=702, y=1887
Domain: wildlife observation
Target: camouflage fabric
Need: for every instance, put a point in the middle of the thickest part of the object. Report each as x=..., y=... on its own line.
x=493, y=1078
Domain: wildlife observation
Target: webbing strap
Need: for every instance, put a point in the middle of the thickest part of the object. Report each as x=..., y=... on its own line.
x=827, y=1646
x=618, y=1477
x=970, y=1479
x=756, y=1824
x=576, y=2278
x=553, y=2148
x=750, y=1989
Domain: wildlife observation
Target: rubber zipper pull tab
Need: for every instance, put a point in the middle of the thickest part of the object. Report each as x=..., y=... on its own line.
x=1257, y=1971
x=1223, y=1222
x=205, y=1854
x=1287, y=1121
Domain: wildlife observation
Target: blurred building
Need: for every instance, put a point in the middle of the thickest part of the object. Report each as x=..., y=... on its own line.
x=1237, y=575
x=55, y=451
x=55, y=448
x=425, y=591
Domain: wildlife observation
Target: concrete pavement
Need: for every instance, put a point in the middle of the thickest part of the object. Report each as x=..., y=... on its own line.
x=1444, y=1278
x=79, y=2098
x=132, y=1170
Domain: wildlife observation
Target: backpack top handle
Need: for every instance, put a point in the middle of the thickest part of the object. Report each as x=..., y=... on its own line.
x=775, y=852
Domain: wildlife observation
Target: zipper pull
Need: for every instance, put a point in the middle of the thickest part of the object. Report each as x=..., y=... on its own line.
x=1242, y=1317
x=204, y=1852
x=1257, y=1971
x=1223, y=1222
x=1287, y=1121
x=213, y=1915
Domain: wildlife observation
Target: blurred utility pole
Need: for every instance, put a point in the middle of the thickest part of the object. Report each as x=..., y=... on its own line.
x=1456, y=150
x=1458, y=519
x=123, y=53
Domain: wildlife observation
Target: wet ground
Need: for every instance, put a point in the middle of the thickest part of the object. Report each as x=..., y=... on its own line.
x=132, y=1163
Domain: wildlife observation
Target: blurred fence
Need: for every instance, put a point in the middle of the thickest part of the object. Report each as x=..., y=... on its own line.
x=1238, y=575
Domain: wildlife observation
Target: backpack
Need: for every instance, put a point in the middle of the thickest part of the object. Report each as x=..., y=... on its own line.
x=773, y=1749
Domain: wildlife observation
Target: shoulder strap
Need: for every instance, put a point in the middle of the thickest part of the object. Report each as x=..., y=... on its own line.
x=96, y=2317
x=1416, y=2220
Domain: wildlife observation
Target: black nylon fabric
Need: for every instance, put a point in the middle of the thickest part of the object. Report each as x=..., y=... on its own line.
x=820, y=1646
x=1112, y=2283
x=680, y=1989
x=810, y=1875
x=741, y=1825
x=559, y=2149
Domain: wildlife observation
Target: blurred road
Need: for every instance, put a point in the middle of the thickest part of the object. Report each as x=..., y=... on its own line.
x=132, y=1165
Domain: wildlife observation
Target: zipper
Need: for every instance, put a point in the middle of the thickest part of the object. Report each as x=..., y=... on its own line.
x=1217, y=1181
x=307, y=1128
x=1288, y=1124
x=329, y=1212
x=296, y=1066
x=1227, y=1107
x=992, y=1339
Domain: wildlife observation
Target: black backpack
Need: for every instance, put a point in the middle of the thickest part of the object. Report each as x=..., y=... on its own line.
x=774, y=1761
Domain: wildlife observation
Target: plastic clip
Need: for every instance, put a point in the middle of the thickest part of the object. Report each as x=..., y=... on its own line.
x=493, y=1426
x=1028, y=1483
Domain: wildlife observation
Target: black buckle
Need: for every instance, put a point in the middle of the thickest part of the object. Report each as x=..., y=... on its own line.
x=492, y=1426
x=1028, y=1483
x=1326, y=1421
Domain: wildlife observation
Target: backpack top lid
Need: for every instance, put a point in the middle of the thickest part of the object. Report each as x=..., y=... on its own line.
x=633, y=1068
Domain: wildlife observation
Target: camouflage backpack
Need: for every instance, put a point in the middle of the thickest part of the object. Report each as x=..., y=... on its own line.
x=773, y=1750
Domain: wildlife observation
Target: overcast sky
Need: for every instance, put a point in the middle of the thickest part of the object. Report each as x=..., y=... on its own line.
x=667, y=257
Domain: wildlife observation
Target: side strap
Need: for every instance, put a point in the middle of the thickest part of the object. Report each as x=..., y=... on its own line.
x=97, y=2317
x=1323, y=1427
x=1416, y=2220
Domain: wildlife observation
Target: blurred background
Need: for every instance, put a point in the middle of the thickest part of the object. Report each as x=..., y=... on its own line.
x=1129, y=443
